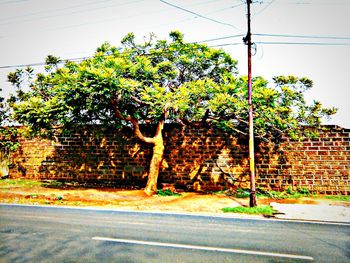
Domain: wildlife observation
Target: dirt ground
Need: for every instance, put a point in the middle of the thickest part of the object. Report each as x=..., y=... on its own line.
x=188, y=202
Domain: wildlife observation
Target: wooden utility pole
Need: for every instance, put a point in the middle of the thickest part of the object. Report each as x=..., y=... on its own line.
x=248, y=42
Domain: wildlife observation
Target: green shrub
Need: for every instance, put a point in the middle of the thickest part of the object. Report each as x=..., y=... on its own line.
x=167, y=192
x=303, y=191
x=339, y=197
x=290, y=191
x=259, y=210
x=242, y=193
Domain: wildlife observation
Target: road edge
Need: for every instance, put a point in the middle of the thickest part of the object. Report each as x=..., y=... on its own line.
x=190, y=214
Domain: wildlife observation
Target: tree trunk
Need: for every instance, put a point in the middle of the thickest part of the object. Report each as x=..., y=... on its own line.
x=157, y=158
x=158, y=146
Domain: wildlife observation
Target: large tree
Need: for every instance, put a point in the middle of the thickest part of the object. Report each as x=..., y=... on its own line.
x=157, y=82
x=134, y=84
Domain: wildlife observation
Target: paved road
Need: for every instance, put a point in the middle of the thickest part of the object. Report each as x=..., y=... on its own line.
x=44, y=234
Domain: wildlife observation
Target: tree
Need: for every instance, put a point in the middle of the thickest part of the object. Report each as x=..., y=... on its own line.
x=154, y=82
x=8, y=138
x=158, y=82
x=279, y=110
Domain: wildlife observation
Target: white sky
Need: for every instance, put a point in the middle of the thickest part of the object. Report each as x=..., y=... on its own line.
x=32, y=29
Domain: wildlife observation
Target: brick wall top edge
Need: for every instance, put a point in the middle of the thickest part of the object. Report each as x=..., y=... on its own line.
x=323, y=130
x=327, y=126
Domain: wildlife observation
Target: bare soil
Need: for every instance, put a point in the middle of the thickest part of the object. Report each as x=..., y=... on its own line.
x=192, y=202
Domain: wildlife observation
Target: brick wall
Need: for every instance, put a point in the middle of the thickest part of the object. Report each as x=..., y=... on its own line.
x=197, y=158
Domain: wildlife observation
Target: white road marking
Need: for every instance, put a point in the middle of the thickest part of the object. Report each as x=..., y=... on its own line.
x=206, y=248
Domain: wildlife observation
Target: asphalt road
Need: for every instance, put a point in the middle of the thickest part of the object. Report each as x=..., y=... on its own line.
x=45, y=234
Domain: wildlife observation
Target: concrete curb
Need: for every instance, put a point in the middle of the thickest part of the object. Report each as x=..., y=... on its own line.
x=284, y=216
x=319, y=213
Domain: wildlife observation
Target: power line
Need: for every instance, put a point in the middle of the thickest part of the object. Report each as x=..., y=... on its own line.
x=227, y=44
x=64, y=14
x=11, y=2
x=98, y=21
x=303, y=43
x=304, y=36
x=223, y=9
x=262, y=10
x=199, y=15
x=317, y=2
x=218, y=45
x=220, y=38
x=88, y=57
x=42, y=63
x=47, y=11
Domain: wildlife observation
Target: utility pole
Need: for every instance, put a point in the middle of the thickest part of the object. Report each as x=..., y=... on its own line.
x=248, y=41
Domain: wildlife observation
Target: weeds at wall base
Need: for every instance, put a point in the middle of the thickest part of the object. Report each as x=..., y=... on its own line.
x=167, y=192
x=288, y=194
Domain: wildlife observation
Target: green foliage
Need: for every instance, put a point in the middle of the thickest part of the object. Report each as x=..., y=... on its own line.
x=345, y=198
x=8, y=139
x=4, y=183
x=259, y=210
x=288, y=194
x=167, y=192
x=144, y=82
x=53, y=184
x=303, y=191
x=275, y=194
x=242, y=193
x=279, y=110
x=8, y=135
x=290, y=191
x=157, y=80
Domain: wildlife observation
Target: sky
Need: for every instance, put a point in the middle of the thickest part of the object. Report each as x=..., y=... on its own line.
x=319, y=49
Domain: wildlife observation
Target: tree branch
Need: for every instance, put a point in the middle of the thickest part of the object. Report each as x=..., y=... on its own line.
x=134, y=122
x=138, y=100
x=138, y=133
x=117, y=112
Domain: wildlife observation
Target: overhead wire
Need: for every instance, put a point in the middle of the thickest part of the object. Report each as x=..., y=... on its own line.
x=303, y=43
x=202, y=41
x=263, y=9
x=304, y=36
x=220, y=38
x=109, y=19
x=199, y=15
x=317, y=2
x=69, y=13
x=86, y=57
x=50, y=10
x=231, y=36
x=11, y=2
x=223, y=9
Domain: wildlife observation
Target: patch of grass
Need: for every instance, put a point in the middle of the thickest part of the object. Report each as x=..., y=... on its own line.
x=289, y=193
x=6, y=183
x=338, y=197
x=218, y=192
x=242, y=193
x=53, y=184
x=19, y=182
x=259, y=210
x=167, y=192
